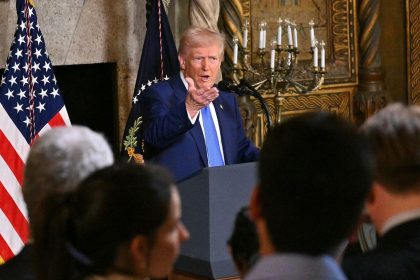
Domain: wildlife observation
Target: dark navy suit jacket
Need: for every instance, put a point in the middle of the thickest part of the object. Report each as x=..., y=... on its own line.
x=172, y=141
x=20, y=266
x=397, y=256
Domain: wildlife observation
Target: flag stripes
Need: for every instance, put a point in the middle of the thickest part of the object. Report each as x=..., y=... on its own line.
x=30, y=104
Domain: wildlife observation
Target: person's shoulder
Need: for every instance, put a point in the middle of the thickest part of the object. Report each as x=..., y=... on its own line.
x=376, y=265
x=163, y=84
x=230, y=96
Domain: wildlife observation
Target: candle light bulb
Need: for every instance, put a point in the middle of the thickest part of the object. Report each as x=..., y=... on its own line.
x=261, y=35
x=289, y=34
x=295, y=36
x=322, y=54
x=264, y=33
x=273, y=53
x=279, y=31
x=312, y=33
x=245, y=30
x=235, y=50
x=315, y=55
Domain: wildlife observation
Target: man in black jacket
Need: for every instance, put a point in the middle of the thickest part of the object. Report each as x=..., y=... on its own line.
x=394, y=202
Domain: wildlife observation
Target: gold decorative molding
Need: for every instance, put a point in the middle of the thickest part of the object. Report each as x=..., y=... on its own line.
x=335, y=100
x=413, y=50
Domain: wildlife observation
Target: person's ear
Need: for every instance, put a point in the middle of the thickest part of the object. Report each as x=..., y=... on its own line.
x=139, y=250
x=255, y=204
x=373, y=194
x=181, y=62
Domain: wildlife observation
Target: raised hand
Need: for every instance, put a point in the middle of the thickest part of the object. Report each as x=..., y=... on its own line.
x=198, y=98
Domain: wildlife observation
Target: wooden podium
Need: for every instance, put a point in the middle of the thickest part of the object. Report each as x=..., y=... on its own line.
x=210, y=201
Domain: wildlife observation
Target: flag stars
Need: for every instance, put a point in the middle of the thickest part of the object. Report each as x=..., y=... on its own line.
x=21, y=94
x=45, y=80
x=166, y=78
x=149, y=83
x=24, y=81
x=47, y=65
x=34, y=80
x=35, y=67
x=27, y=121
x=18, y=53
x=26, y=67
x=143, y=87
x=43, y=93
x=135, y=99
x=41, y=107
x=31, y=12
x=16, y=67
x=22, y=25
x=38, y=39
x=12, y=81
x=18, y=108
x=37, y=53
x=54, y=92
x=21, y=40
x=54, y=80
x=3, y=80
x=9, y=94
x=155, y=80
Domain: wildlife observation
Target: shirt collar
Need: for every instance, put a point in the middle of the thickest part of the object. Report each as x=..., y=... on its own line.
x=400, y=219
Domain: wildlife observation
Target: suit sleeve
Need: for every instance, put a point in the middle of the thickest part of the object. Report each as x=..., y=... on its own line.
x=165, y=118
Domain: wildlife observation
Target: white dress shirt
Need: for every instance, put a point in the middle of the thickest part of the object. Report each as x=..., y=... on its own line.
x=200, y=119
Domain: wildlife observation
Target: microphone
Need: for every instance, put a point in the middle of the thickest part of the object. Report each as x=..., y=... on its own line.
x=239, y=89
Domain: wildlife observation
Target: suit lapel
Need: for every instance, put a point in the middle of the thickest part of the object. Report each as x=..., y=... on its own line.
x=196, y=132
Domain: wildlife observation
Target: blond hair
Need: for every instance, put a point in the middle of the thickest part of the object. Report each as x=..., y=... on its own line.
x=195, y=37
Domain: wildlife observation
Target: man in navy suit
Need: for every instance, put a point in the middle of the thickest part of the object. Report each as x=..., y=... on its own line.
x=394, y=202
x=175, y=134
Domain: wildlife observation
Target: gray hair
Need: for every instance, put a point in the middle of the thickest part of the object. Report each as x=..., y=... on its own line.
x=60, y=159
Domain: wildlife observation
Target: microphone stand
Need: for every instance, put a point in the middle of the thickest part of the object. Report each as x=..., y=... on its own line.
x=244, y=87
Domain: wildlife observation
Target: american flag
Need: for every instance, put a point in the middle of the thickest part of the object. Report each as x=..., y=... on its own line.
x=159, y=61
x=30, y=104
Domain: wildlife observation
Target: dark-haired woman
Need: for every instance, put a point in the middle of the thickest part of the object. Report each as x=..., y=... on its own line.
x=122, y=222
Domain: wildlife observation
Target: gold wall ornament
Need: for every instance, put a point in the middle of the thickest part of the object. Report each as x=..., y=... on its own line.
x=413, y=50
x=335, y=23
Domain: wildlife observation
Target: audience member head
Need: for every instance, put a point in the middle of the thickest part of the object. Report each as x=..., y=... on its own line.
x=123, y=219
x=243, y=243
x=200, y=55
x=315, y=172
x=394, y=134
x=60, y=159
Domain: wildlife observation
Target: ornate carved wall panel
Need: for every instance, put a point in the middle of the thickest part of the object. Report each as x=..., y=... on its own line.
x=336, y=24
x=335, y=100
